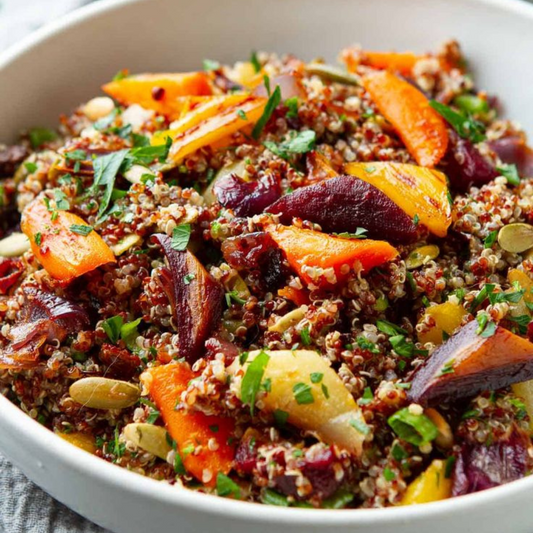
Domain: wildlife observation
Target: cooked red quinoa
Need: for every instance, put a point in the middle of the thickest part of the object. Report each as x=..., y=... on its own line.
x=300, y=351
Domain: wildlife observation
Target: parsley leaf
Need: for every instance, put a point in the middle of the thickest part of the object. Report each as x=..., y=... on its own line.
x=255, y=62
x=273, y=102
x=252, y=379
x=466, y=126
x=303, y=393
x=292, y=106
x=301, y=143
x=210, y=64
x=81, y=229
x=389, y=328
x=106, y=168
x=180, y=237
x=511, y=173
x=227, y=487
x=39, y=136
x=416, y=429
x=490, y=239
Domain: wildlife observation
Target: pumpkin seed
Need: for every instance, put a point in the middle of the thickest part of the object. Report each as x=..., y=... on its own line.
x=98, y=107
x=330, y=73
x=104, y=393
x=150, y=438
x=125, y=244
x=290, y=319
x=421, y=255
x=516, y=238
x=14, y=245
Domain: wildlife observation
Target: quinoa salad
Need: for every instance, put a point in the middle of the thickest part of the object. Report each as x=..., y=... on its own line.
x=301, y=284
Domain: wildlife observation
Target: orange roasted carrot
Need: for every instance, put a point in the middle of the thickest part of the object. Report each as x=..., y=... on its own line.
x=297, y=296
x=160, y=92
x=64, y=253
x=192, y=430
x=306, y=249
x=420, y=127
x=402, y=62
x=217, y=127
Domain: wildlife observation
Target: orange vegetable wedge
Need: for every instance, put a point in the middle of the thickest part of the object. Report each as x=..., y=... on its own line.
x=310, y=253
x=216, y=127
x=419, y=126
x=191, y=430
x=63, y=253
x=203, y=108
x=402, y=62
x=297, y=296
x=159, y=92
x=417, y=190
x=319, y=167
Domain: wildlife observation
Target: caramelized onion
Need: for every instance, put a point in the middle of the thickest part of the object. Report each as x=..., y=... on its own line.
x=514, y=151
x=195, y=297
x=10, y=271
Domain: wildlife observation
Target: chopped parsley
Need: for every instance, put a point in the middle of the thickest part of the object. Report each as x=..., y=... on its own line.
x=188, y=278
x=510, y=172
x=470, y=103
x=292, y=106
x=360, y=426
x=360, y=233
x=180, y=237
x=464, y=124
x=389, y=328
x=301, y=143
x=251, y=382
x=316, y=377
x=242, y=115
x=325, y=391
x=81, y=229
x=106, y=168
x=490, y=239
x=365, y=344
x=234, y=296
x=303, y=393
x=255, y=62
x=116, y=329
x=30, y=167
x=412, y=428
x=273, y=102
x=39, y=136
x=271, y=497
x=305, y=336
x=227, y=487
x=280, y=418
x=38, y=238
x=388, y=474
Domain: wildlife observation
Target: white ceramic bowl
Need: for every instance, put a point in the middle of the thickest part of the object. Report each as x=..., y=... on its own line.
x=65, y=64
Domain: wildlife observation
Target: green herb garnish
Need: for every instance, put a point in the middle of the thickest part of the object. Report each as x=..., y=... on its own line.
x=416, y=429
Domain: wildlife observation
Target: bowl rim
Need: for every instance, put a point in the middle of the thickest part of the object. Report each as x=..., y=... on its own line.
x=129, y=482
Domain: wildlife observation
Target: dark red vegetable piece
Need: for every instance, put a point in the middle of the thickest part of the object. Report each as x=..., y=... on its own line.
x=120, y=363
x=344, y=204
x=514, y=151
x=468, y=363
x=10, y=158
x=10, y=272
x=465, y=166
x=256, y=252
x=45, y=317
x=195, y=297
x=247, y=198
x=479, y=467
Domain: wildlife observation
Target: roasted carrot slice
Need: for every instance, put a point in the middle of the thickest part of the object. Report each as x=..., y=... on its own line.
x=419, y=126
x=204, y=442
x=420, y=192
x=160, y=92
x=217, y=127
x=203, y=108
x=315, y=256
x=402, y=62
x=64, y=253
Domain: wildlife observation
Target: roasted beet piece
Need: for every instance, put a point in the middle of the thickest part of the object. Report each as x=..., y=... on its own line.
x=10, y=271
x=120, y=363
x=479, y=467
x=514, y=151
x=10, y=159
x=318, y=466
x=256, y=252
x=195, y=298
x=468, y=363
x=217, y=344
x=465, y=166
x=246, y=457
x=45, y=317
x=344, y=204
x=247, y=198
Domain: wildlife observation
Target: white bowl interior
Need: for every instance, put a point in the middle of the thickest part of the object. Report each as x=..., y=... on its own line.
x=65, y=64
